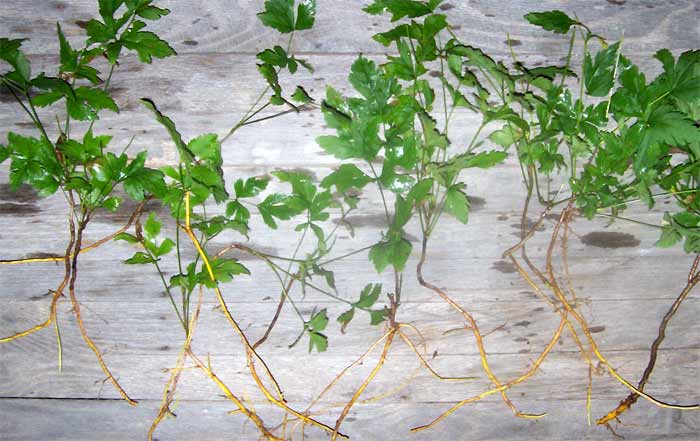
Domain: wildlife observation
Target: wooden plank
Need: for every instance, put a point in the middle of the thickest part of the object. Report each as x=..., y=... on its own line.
x=563, y=375
x=222, y=26
x=624, y=282
x=78, y=421
x=124, y=328
x=206, y=93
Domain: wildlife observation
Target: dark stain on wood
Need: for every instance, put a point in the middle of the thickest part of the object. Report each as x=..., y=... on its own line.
x=523, y=323
x=596, y=329
x=529, y=223
x=59, y=6
x=305, y=171
x=366, y=220
x=41, y=255
x=242, y=255
x=12, y=209
x=23, y=194
x=610, y=239
x=502, y=217
x=6, y=96
x=127, y=208
x=82, y=24
x=504, y=266
x=435, y=73
x=617, y=2
x=513, y=42
x=446, y=6
x=190, y=43
x=520, y=339
x=476, y=203
x=164, y=348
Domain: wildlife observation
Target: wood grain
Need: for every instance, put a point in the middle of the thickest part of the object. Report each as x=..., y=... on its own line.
x=624, y=282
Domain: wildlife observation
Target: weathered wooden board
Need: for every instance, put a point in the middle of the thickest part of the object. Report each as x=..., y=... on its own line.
x=624, y=283
x=205, y=419
x=222, y=26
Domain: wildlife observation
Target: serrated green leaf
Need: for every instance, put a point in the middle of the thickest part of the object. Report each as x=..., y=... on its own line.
x=147, y=45
x=143, y=182
x=319, y=321
x=347, y=176
x=139, y=258
x=457, y=203
x=394, y=251
x=598, y=74
x=276, y=206
x=301, y=96
x=318, y=341
x=206, y=147
x=224, y=270
x=280, y=15
x=345, y=318
x=126, y=237
x=251, y=187
x=151, y=227
x=400, y=8
x=368, y=296
x=378, y=316
x=555, y=21
x=185, y=154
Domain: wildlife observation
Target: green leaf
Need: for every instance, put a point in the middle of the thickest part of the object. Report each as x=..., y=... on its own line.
x=318, y=321
x=276, y=206
x=96, y=98
x=345, y=318
x=33, y=162
x=377, y=316
x=669, y=237
x=126, y=237
x=67, y=56
x=318, y=341
x=151, y=227
x=481, y=160
x=300, y=96
x=143, y=182
x=555, y=21
x=152, y=12
x=368, y=296
x=598, y=74
x=433, y=137
x=457, y=203
x=185, y=154
x=206, y=147
x=663, y=127
x=395, y=251
x=506, y=136
x=10, y=52
x=139, y=258
x=224, y=270
x=302, y=184
x=306, y=12
x=251, y=187
x=147, y=45
x=367, y=79
x=347, y=176
x=279, y=15
x=400, y=8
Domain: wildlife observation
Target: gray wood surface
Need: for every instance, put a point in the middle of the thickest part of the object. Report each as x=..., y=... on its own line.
x=625, y=284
